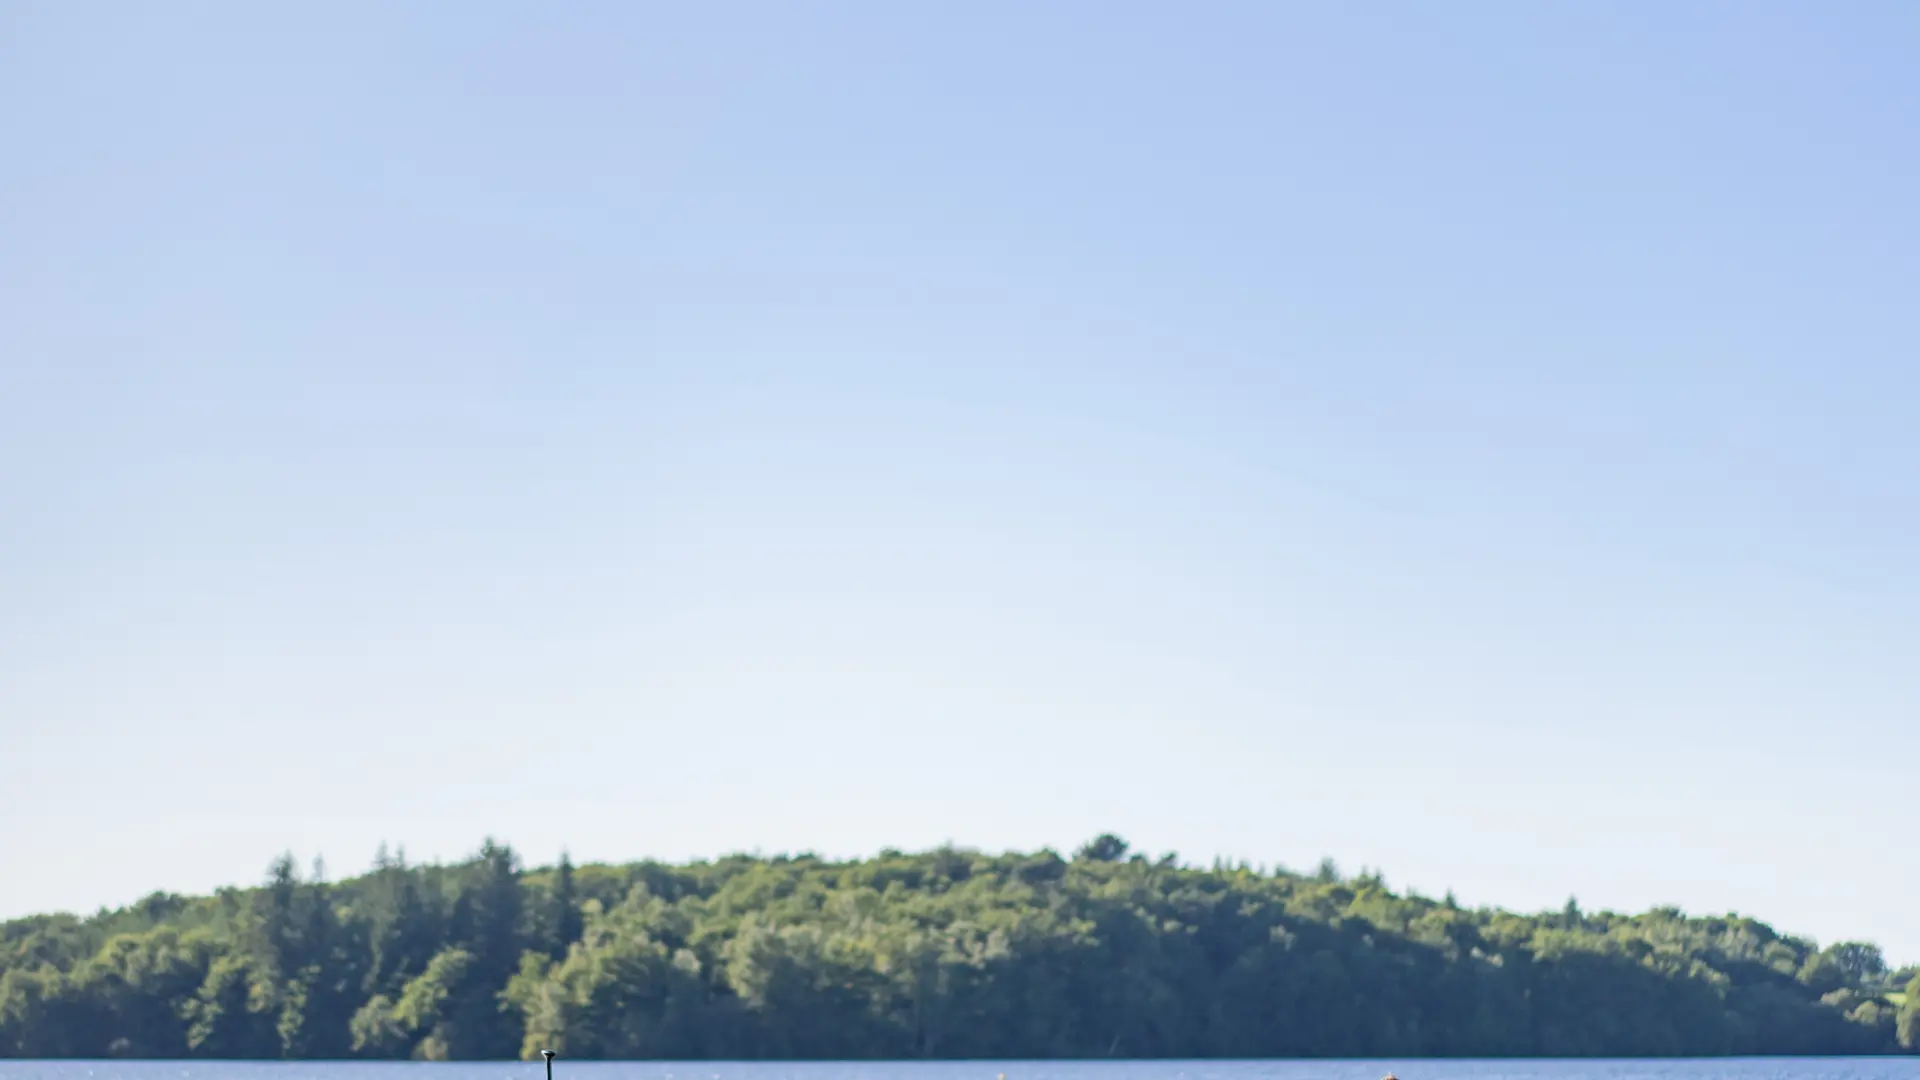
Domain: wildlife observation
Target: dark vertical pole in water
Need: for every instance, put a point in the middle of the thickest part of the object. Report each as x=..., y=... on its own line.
x=548, y=1054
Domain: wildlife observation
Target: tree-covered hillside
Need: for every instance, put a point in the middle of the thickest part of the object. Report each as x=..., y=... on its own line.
x=947, y=953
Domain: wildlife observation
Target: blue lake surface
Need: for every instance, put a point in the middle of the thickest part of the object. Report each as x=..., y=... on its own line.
x=1694, y=1069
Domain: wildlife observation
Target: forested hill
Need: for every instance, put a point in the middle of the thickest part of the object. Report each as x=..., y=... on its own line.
x=942, y=954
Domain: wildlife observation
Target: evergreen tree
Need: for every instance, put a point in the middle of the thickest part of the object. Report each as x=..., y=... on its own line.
x=565, y=917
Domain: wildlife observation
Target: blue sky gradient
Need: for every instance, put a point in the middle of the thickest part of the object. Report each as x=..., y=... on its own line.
x=1476, y=441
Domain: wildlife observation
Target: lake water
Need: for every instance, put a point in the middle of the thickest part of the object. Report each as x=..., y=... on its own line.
x=1717, y=1069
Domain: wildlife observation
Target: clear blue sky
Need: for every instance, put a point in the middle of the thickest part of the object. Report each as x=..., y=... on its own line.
x=1477, y=441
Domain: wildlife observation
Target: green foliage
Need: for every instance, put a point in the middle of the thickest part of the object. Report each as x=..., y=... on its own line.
x=1859, y=963
x=1908, y=1023
x=949, y=953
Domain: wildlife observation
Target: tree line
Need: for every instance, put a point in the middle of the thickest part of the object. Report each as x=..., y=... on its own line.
x=941, y=954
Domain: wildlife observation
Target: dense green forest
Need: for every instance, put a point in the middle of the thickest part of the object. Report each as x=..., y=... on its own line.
x=948, y=953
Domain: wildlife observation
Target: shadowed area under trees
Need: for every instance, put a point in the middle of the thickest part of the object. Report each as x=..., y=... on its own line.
x=947, y=953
